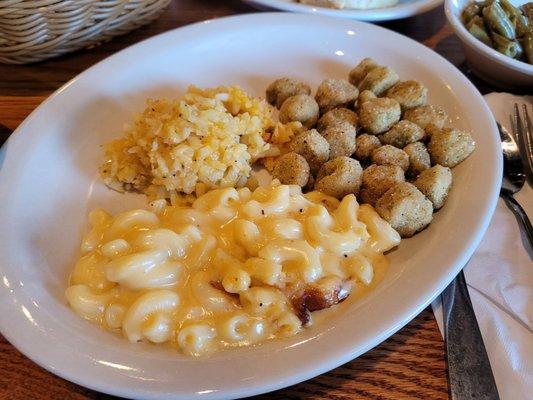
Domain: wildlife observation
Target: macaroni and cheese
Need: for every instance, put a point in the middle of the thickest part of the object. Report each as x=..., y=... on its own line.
x=235, y=268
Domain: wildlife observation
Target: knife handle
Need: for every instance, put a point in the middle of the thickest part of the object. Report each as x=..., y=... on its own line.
x=469, y=372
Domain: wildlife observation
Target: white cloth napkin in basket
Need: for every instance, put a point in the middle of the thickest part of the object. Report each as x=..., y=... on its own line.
x=500, y=283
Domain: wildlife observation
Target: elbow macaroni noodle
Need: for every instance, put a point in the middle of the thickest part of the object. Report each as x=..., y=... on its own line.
x=224, y=272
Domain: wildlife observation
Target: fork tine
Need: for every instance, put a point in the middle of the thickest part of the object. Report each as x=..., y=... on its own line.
x=526, y=137
x=527, y=125
x=518, y=130
x=516, y=121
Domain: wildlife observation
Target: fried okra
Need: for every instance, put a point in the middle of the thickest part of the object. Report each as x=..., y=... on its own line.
x=419, y=159
x=430, y=128
x=379, y=115
x=292, y=169
x=390, y=155
x=405, y=208
x=435, y=184
x=341, y=139
x=377, y=179
x=425, y=115
x=409, y=94
x=333, y=93
x=364, y=96
x=379, y=80
x=312, y=146
x=361, y=70
x=448, y=147
x=335, y=116
x=339, y=177
x=402, y=133
x=301, y=107
x=365, y=144
x=281, y=89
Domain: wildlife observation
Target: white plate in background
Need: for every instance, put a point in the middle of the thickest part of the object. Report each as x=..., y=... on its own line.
x=49, y=181
x=403, y=9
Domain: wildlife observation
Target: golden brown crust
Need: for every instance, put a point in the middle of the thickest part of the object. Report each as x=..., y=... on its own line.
x=291, y=169
x=333, y=93
x=379, y=115
x=390, y=155
x=364, y=96
x=335, y=116
x=312, y=146
x=402, y=133
x=365, y=144
x=449, y=147
x=339, y=177
x=409, y=94
x=341, y=139
x=419, y=159
x=435, y=184
x=405, y=208
x=425, y=115
x=361, y=70
x=379, y=80
x=377, y=179
x=302, y=108
x=281, y=89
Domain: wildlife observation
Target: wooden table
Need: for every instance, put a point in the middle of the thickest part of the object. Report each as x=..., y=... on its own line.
x=409, y=365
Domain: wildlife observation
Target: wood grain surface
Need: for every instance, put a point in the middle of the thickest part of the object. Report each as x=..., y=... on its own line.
x=409, y=365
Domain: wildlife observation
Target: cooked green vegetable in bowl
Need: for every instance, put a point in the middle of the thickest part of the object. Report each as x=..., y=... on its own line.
x=502, y=26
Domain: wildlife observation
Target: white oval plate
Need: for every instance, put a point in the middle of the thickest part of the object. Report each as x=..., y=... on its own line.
x=403, y=9
x=48, y=182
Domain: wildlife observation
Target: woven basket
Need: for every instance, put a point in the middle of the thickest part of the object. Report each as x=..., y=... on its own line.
x=33, y=30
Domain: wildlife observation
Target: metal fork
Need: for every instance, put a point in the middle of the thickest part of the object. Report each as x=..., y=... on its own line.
x=513, y=180
x=522, y=131
x=469, y=371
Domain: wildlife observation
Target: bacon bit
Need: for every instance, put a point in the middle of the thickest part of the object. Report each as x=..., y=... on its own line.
x=301, y=312
x=314, y=297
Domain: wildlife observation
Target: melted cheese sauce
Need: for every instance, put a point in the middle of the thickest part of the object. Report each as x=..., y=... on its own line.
x=228, y=270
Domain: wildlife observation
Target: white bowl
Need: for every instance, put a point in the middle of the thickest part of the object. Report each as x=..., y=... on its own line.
x=486, y=62
x=49, y=181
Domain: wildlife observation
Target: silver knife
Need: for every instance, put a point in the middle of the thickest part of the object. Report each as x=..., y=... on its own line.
x=469, y=372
